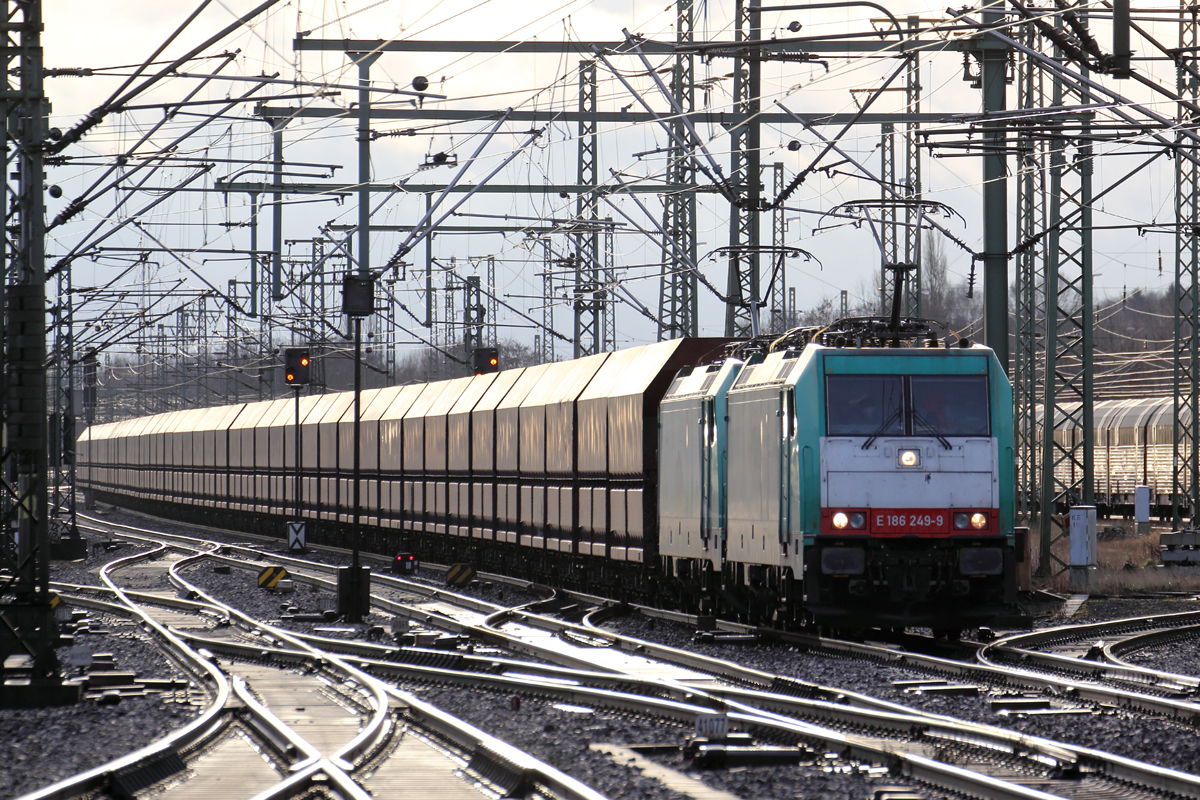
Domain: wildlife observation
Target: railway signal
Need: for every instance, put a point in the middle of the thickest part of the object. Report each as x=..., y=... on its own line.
x=296, y=363
x=485, y=360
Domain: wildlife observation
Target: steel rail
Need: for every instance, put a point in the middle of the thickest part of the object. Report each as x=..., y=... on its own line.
x=187, y=738
x=1095, y=670
x=462, y=735
x=1081, y=689
x=294, y=786
x=484, y=632
x=275, y=731
x=371, y=734
x=863, y=746
x=1019, y=648
x=906, y=721
x=1114, y=651
x=733, y=700
x=142, y=599
x=417, y=588
x=1065, y=633
x=1078, y=689
x=494, y=747
x=568, y=685
x=1115, y=766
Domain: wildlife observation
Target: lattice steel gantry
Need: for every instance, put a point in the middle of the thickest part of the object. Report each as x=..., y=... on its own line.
x=1067, y=458
x=677, y=306
x=744, y=300
x=589, y=329
x=1030, y=294
x=27, y=625
x=1185, y=484
x=900, y=195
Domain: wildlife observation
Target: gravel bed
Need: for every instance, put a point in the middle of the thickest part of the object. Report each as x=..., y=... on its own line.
x=240, y=590
x=500, y=593
x=1181, y=657
x=562, y=737
x=1108, y=608
x=1151, y=739
x=100, y=552
x=41, y=746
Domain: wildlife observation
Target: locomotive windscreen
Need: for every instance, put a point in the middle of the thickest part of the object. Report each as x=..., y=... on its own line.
x=865, y=405
x=945, y=405
x=917, y=405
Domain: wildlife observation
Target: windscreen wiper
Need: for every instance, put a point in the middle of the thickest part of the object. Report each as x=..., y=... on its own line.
x=883, y=428
x=932, y=430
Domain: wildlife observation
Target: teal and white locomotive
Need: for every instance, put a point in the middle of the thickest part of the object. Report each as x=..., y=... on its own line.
x=859, y=475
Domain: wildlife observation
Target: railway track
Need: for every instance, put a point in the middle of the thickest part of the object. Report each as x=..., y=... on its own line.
x=779, y=712
x=1013, y=662
x=284, y=726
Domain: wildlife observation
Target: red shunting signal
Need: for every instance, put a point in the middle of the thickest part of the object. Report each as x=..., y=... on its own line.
x=296, y=366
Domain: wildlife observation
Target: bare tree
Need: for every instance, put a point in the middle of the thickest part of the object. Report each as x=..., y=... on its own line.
x=936, y=289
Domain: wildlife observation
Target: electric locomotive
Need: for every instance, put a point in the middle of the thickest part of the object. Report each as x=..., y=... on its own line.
x=859, y=475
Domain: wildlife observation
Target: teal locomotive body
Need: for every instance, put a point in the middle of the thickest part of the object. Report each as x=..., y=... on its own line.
x=844, y=485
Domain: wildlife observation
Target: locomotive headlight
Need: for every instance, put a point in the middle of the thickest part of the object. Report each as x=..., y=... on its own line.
x=970, y=520
x=910, y=458
x=849, y=519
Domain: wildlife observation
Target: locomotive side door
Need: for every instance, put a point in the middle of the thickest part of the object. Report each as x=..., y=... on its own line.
x=753, y=475
x=708, y=436
x=787, y=413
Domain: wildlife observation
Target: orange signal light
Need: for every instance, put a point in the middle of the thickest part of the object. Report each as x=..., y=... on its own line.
x=290, y=377
x=304, y=361
x=493, y=361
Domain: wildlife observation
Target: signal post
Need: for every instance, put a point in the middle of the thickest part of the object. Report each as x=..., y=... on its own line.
x=354, y=581
x=296, y=371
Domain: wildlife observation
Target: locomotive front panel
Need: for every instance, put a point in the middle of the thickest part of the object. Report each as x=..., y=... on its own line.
x=916, y=491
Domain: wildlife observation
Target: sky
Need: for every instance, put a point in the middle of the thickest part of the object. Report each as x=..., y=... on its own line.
x=114, y=37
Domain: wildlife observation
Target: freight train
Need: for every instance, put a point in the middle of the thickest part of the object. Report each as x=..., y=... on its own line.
x=856, y=475
x=1133, y=446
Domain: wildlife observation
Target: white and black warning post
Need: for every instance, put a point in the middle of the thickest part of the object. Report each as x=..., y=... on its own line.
x=296, y=541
